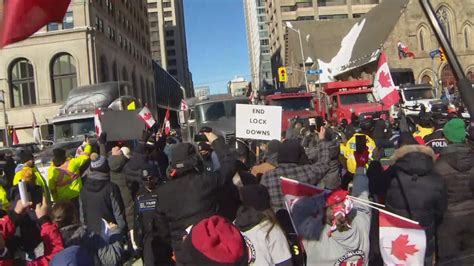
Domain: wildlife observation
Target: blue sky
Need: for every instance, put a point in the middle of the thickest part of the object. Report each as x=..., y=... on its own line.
x=217, y=44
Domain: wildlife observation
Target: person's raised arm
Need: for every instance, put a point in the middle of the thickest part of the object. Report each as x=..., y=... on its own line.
x=226, y=158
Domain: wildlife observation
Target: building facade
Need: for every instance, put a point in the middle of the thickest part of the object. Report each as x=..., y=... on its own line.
x=280, y=11
x=237, y=86
x=415, y=31
x=98, y=41
x=202, y=91
x=168, y=40
x=258, y=43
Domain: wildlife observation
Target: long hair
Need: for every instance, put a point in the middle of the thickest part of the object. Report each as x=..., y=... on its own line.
x=270, y=218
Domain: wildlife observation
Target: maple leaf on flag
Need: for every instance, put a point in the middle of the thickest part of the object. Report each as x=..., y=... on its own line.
x=384, y=80
x=400, y=248
x=147, y=116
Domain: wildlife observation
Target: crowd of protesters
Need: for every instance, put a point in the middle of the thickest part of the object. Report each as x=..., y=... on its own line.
x=173, y=203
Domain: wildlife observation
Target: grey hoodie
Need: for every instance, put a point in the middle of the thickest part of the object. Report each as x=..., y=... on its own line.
x=349, y=246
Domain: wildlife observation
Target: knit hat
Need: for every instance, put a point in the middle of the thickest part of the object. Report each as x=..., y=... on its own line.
x=72, y=256
x=126, y=152
x=215, y=241
x=59, y=157
x=25, y=156
x=255, y=196
x=308, y=214
x=455, y=130
x=290, y=151
x=99, y=163
x=183, y=159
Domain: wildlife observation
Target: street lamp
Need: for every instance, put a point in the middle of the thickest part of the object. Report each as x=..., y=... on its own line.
x=290, y=26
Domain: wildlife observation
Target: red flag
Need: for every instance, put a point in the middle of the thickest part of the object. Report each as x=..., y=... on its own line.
x=404, y=51
x=184, y=105
x=166, y=123
x=384, y=88
x=147, y=117
x=401, y=242
x=22, y=18
x=98, y=124
x=293, y=190
x=15, y=140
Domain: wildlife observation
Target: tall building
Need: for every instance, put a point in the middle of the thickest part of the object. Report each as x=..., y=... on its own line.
x=280, y=11
x=238, y=86
x=168, y=40
x=258, y=43
x=202, y=91
x=97, y=41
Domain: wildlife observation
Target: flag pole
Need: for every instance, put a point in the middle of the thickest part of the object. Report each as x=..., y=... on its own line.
x=386, y=212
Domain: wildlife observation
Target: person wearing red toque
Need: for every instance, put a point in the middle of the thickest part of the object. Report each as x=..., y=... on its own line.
x=215, y=241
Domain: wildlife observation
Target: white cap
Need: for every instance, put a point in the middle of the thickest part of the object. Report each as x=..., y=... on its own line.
x=126, y=152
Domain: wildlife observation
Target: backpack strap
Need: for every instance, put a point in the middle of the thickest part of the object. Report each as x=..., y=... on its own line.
x=404, y=196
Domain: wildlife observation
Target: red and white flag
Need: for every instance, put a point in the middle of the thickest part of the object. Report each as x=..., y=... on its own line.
x=147, y=117
x=404, y=51
x=384, y=88
x=401, y=242
x=293, y=190
x=36, y=130
x=184, y=105
x=166, y=123
x=98, y=124
x=22, y=18
x=15, y=140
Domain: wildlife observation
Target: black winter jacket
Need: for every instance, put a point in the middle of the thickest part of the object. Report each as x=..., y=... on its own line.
x=116, y=164
x=101, y=199
x=415, y=190
x=455, y=166
x=187, y=199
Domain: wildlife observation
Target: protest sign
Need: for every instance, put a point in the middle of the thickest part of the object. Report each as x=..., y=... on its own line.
x=258, y=122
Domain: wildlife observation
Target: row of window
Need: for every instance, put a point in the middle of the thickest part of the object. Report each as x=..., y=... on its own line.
x=22, y=80
x=68, y=23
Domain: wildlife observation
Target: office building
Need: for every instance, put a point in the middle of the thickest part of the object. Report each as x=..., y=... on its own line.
x=258, y=43
x=168, y=40
x=202, y=91
x=97, y=41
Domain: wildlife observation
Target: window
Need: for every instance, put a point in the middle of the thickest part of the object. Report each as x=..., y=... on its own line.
x=169, y=33
x=99, y=24
x=426, y=79
x=304, y=4
x=169, y=42
x=305, y=18
x=124, y=74
x=153, y=24
x=114, y=71
x=104, y=69
x=63, y=76
x=445, y=18
x=22, y=83
x=288, y=8
x=155, y=43
x=332, y=2
x=171, y=52
x=357, y=15
x=421, y=38
x=173, y=72
x=264, y=42
x=52, y=26
x=467, y=35
x=153, y=15
x=168, y=23
x=68, y=22
x=172, y=62
x=152, y=5
x=167, y=14
x=328, y=17
x=166, y=4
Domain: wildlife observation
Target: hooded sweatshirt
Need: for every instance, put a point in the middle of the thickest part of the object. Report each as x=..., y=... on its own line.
x=351, y=246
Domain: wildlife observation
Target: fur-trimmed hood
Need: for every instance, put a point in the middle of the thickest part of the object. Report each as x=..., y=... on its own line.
x=414, y=159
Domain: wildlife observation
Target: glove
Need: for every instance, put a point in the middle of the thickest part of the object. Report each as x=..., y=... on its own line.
x=361, y=158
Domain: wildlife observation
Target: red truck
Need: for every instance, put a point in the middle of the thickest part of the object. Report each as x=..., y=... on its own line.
x=341, y=98
x=294, y=102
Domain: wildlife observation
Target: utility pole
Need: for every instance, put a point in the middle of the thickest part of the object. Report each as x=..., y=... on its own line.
x=5, y=118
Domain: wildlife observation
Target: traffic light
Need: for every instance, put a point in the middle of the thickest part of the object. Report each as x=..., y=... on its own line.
x=442, y=55
x=282, y=74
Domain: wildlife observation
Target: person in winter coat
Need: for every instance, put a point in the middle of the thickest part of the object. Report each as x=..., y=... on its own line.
x=413, y=189
x=50, y=235
x=150, y=230
x=258, y=224
x=329, y=237
x=190, y=195
x=209, y=157
x=289, y=156
x=64, y=180
x=27, y=160
x=455, y=166
x=74, y=234
x=117, y=160
x=73, y=255
x=100, y=199
x=436, y=140
x=270, y=159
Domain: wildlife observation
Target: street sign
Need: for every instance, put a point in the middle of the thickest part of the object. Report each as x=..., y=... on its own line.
x=314, y=71
x=434, y=53
x=282, y=74
x=258, y=121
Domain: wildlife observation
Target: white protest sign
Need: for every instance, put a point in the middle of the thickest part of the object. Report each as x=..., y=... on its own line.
x=258, y=122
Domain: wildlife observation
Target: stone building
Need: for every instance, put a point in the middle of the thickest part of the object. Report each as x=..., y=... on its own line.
x=97, y=41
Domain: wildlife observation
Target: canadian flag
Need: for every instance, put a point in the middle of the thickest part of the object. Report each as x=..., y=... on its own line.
x=184, y=105
x=384, y=89
x=293, y=190
x=98, y=124
x=147, y=117
x=401, y=242
x=166, y=123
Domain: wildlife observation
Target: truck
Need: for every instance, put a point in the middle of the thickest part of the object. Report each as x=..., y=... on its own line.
x=342, y=98
x=412, y=96
x=214, y=111
x=295, y=102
